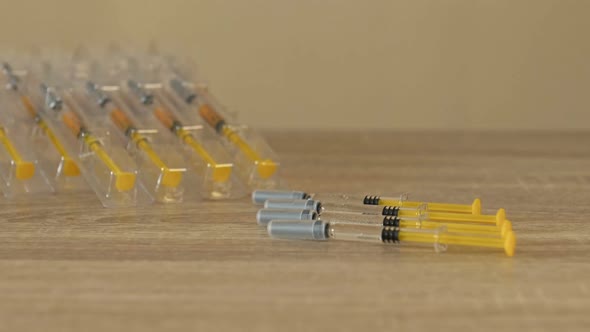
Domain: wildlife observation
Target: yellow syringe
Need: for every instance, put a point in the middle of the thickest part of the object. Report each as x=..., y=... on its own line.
x=260, y=196
x=403, y=219
x=440, y=237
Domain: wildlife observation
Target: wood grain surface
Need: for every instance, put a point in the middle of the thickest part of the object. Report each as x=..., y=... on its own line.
x=67, y=264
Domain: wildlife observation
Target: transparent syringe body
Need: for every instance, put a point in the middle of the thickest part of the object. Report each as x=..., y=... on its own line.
x=267, y=214
x=362, y=218
x=320, y=207
x=378, y=233
x=419, y=220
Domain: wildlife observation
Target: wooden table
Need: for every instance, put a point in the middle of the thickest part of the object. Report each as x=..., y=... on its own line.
x=67, y=264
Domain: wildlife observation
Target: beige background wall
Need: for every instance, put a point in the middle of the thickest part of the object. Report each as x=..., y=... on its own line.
x=497, y=64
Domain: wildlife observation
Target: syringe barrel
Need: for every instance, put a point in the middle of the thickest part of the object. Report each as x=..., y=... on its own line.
x=390, y=235
x=344, y=199
x=359, y=232
x=356, y=208
x=360, y=218
x=381, y=210
x=261, y=196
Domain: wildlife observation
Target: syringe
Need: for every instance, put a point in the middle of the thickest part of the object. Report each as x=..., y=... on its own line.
x=440, y=237
x=124, y=181
x=265, y=167
x=221, y=172
x=260, y=196
x=421, y=211
x=170, y=177
x=416, y=220
x=68, y=166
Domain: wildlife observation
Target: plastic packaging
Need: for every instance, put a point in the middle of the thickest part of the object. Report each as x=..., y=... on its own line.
x=204, y=154
x=160, y=169
x=107, y=167
x=22, y=117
